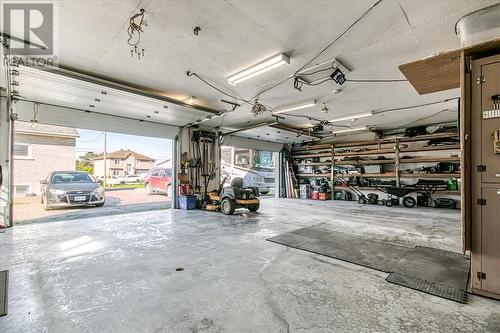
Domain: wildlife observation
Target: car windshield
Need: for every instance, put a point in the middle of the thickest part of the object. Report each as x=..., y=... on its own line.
x=71, y=177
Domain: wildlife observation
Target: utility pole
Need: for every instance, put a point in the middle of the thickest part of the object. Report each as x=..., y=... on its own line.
x=105, y=158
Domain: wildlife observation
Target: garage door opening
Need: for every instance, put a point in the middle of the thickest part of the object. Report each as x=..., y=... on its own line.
x=256, y=167
x=63, y=173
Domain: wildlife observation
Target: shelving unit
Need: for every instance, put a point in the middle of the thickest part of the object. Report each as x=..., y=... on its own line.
x=394, y=154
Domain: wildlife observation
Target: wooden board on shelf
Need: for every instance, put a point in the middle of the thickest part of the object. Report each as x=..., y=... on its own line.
x=314, y=164
x=430, y=148
x=368, y=175
x=367, y=152
x=319, y=175
x=430, y=175
x=365, y=162
x=429, y=160
x=312, y=155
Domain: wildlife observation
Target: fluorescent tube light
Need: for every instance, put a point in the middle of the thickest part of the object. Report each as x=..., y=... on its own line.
x=354, y=116
x=364, y=128
x=259, y=68
x=295, y=107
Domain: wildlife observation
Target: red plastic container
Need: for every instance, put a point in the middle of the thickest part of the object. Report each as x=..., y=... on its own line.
x=185, y=189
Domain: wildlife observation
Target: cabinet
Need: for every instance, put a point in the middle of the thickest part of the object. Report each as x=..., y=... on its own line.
x=485, y=180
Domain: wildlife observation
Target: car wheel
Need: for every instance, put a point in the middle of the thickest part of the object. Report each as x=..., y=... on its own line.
x=388, y=203
x=227, y=206
x=149, y=189
x=253, y=208
x=169, y=190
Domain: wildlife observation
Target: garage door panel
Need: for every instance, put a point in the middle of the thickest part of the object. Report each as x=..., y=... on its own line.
x=61, y=116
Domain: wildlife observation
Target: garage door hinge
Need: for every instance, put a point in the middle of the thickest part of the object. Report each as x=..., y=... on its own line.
x=481, y=276
x=481, y=168
x=480, y=80
x=481, y=202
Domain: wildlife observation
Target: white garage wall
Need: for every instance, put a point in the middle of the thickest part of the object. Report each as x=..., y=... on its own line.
x=56, y=115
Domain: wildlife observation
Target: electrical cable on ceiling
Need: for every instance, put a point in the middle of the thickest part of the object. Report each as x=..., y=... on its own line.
x=415, y=106
x=377, y=80
x=321, y=52
x=189, y=73
x=135, y=28
x=340, y=36
x=425, y=118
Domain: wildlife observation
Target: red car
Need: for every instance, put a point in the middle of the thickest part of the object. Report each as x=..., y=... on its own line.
x=159, y=180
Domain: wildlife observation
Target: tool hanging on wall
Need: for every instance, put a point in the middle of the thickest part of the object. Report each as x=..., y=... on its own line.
x=203, y=163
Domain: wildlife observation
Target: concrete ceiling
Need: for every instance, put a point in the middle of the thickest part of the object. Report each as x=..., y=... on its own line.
x=238, y=33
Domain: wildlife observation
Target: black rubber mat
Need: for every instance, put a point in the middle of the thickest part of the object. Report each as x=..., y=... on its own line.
x=438, y=272
x=4, y=283
x=373, y=254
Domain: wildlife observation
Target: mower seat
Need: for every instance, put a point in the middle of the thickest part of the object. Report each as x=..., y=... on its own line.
x=237, y=182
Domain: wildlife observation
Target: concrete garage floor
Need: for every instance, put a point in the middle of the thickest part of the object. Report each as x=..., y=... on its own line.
x=118, y=274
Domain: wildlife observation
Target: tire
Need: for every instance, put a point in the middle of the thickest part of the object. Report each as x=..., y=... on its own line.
x=227, y=206
x=149, y=189
x=362, y=201
x=409, y=202
x=169, y=191
x=253, y=208
x=388, y=203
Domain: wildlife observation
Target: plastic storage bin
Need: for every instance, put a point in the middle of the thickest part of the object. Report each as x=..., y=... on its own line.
x=187, y=202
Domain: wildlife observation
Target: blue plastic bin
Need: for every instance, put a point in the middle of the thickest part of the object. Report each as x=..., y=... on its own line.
x=187, y=202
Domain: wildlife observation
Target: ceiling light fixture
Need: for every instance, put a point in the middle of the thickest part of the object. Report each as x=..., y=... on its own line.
x=354, y=116
x=295, y=107
x=357, y=129
x=259, y=68
x=338, y=76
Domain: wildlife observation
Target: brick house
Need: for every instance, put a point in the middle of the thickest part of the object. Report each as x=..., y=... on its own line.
x=121, y=163
x=38, y=151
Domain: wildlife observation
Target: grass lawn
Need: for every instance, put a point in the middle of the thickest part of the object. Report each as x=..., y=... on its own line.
x=124, y=186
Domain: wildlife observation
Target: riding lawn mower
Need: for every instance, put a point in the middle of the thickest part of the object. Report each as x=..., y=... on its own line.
x=227, y=199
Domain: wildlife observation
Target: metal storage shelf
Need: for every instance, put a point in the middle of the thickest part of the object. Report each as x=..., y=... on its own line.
x=389, y=146
x=378, y=142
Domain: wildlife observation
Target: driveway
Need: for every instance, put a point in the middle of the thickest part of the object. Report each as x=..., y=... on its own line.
x=119, y=201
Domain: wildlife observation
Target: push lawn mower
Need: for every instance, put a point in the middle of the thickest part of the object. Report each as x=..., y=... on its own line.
x=227, y=199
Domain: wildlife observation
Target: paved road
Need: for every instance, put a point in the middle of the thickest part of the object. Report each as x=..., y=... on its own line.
x=120, y=201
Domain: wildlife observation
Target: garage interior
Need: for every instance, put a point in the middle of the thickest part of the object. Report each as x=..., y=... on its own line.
x=382, y=121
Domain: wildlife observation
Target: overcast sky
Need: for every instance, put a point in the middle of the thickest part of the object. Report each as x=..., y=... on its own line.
x=89, y=140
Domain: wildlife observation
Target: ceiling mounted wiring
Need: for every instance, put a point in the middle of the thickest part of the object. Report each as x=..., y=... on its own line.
x=376, y=80
x=321, y=52
x=239, y=98
x=135, y=29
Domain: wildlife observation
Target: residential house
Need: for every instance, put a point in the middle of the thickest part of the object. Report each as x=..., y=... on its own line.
x=121, y=163
x=39, y=150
